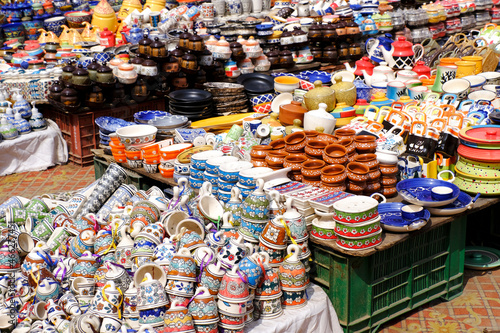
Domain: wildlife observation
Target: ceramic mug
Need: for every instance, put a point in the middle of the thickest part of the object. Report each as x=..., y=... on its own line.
x=418, y=93
x=395, y=90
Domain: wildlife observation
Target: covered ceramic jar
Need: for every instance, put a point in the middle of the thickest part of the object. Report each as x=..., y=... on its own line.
x=318, y=95
x=345, y=92
x=320, y=118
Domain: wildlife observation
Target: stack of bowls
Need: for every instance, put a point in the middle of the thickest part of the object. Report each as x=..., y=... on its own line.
x=107, y=126
x=211, y=175
x=168, y=156
x=134, y=138
x=198, y=167
x=478, y=167
x=165, y=122
x=117, y=149
x=247, y=179
x=191, y=103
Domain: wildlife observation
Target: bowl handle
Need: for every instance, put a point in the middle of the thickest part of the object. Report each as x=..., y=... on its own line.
x=446, y=171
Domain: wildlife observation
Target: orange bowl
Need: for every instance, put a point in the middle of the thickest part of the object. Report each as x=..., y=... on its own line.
x=152, y=159
x=171, y=152
x=152, y=149
x=120, y=158
x=133, y=155
x=166, y=173
x=115, y=139
x=120, y=151
x=116, y=145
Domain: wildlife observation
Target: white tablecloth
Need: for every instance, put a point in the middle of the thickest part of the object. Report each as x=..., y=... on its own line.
x=318, y=316
x=34, y=151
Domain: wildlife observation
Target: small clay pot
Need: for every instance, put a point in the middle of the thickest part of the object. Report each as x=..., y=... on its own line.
x=311, y=134
x=370, y=160
x=388, y=191
x=275, y=159
x=388, y=181
x=312, y=168
x=290, y=112
x=315, y=148
x=365, y=144
x=259, y=163
x=278, y=144
x=371, y=187
x=388, y=170
x=259, y=152
x=333, y=174
x=374, y=175
x=357, y=172
x=327, y=137
x=335, y=154
x=294, y=161
x=336, y=188
x=345, y=133
x=295, y=141
x=349, y=145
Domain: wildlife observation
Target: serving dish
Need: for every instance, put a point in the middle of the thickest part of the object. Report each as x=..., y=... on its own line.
x=418, y=191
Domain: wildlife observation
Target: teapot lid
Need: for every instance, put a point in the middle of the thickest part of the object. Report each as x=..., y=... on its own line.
x=177, y=52
x=104, y=69
x=145, y=40
x=185, y=35
x=69, y=92
x=136, y=61
x=106, y=33
x=93, y=65
x=69, y=68
x=194, y=37
x=149, y=63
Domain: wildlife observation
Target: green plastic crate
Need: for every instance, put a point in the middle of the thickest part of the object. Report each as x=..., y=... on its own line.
x=369, y=291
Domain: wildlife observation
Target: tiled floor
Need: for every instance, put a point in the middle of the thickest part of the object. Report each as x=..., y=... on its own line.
x=61, y=178
x=476, y=310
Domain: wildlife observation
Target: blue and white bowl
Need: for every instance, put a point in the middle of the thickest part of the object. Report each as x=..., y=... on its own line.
x=225, y=186
x=231, y=171
x=249, y=177
x=265, y=98
x=245, y=190
x=196, y=173
x=210, y=178
x=54, y=24
x=195, y=183
x=198, y=160
x=103, y=57
x=212, y=165
x=181, y=168
x=224, y=196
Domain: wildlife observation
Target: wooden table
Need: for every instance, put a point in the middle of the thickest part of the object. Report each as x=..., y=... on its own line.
x=391, y=239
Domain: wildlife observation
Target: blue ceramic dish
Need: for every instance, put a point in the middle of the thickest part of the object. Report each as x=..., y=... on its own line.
x=200, y=165
x=196, y=173
x=230, y=172
x=266, y=98
x=463, y=202
x=210, y=178
x=54, y=24
x=245, y=191
x=390, y=214
x=195, y=183
x=440, y=193
x=224, y=196
x=264, y=26
x=109, y=125
x=225, y=186
x=182, y=168
x=418, y=191
x=14, y=31
x=145, y=116
x=323, y=77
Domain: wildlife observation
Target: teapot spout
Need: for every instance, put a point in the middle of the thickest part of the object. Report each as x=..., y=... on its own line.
x=367, y=77
x=348, y=67
x=388, y=56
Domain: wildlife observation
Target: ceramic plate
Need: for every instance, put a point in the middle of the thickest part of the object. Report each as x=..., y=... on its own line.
x=478, y=145
x=282, y=99
x=145, y=116
x=489, y=134
x=185, y=156
x=256, y=82
x=477, y=154
x=390, y=214
x=463, y=202
x=418, y=191
x=406, y=228
x=109, y=125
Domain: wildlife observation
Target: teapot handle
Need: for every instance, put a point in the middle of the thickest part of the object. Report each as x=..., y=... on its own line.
x=419, y=51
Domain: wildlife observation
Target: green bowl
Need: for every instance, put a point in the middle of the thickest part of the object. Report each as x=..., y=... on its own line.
x=360, y=243
x=478, y=169
x=362, y=229
x=474, y=186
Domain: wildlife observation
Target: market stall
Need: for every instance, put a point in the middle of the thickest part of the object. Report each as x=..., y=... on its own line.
x=260, y=166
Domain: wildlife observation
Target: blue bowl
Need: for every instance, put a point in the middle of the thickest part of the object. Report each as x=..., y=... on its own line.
x=224, y=196
x=196, y=173
x=440, y=193
x=198, y=164
x=182, y=168
x=195, y=183
x=324, y=78
x=32, y=27
x=54, y=23
x=225, y=186
x=210, y=178
x=14, y=31
x=264, y=26
x=145, y=116
x=266, y=98
x=109, y=125
x=245, y=191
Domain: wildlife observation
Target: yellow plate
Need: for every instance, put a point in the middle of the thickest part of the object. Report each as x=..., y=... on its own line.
x=225, y=121
x=185, y=156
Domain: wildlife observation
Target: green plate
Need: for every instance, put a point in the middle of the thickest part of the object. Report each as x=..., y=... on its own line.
x=481, y=258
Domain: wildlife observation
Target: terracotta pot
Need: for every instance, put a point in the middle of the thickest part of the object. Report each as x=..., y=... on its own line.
x=333, y=174
x=259, y=152
x=315, y=148
x=356, y=187
x=290, y=112
x=374, y=175
x=370, y=160
x=345, y=133
x=349, y=145
x=295, y=141
x=294, y=161
x=388, y=181
x=312, y=168
x=277, y=144
x=327, y=137
x=259, y=163
x=357, y=172
x=351, y=157
x=275, y=159
x=310, y=135
x=388, y=191
x=365, y=144
x=296, y=176
x=340, y=188
x=371, y=187
x=315, y=183
x=388, y=170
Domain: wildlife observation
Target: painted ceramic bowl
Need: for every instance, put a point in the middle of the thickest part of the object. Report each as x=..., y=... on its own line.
x=360, y=243
x=14, y=31
x=225, y=186
x=199, y=160
x=137, y=134
x=323, y=230
x=76, y=18
x=210, y=178
x=358, y=229
x=54, y=24
x=478, y=169
x=355, y=209
x=231, y=171
x=196, y=173
x=195, y=183
x=249, y=177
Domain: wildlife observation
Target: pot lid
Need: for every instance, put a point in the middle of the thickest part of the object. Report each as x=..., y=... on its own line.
x=235, y=45
x=80, y=71
x=157, y=43
x=69, y=68
x=319, y=90
x=106, y=33
x=149, y=63
x=145, y=40
x=194, y=38
x=137, y=61
x=104, y=69
x=355, y=204
x=185, y=35
x=177, y=52
x=126, y=67
x=93, y=65
x=481, y=258
x=188, y=57
x=482, y=134
x=477, y=154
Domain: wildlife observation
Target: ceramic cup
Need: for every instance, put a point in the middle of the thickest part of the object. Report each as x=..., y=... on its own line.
x=440, y=193
x=411, y=212
x=395, y=90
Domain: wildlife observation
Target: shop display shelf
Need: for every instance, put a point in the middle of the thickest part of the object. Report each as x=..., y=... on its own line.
x=369, y=291
x=82, y=134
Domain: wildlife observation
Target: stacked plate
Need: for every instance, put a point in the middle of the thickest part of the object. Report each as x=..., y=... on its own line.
x=165, y=122
x=191, y=103
x=108, y=125
x=256, y=84
x=229, y=98
x=479, y=164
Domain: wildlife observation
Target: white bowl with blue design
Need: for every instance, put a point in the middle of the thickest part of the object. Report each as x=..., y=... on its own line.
x=225, y=186
x=195, y=183
x=199, y=160
x=265, y=98
x=212, y=165
x=210, y=178
x=245, y=190
x=196, y=173
x=223, y=196
x=249, y=177
x=231, y=171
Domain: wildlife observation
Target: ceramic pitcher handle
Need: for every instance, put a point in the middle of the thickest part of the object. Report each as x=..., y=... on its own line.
x=420, y=53
x=469, y=206
x=381, y=196
x=446, y=171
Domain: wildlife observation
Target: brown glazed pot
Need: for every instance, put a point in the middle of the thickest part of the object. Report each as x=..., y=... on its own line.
x=294, y=161
x=295, y=141
x=315, y=148
x=312, y=169
x=259, y=152
x=333, y=174
x=370, y=160
x=357, y=172
x=290, y=112
x=275, y=158
x=365, y=144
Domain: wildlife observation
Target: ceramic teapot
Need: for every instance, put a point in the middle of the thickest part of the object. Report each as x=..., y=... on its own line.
x=402, y=53
x=381, y=73
x=373, y=47
x=362, y=66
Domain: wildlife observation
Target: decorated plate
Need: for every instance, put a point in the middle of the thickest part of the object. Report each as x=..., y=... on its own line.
x=109, y=125
x=418, y=191
x=390, y=215
x=477, y=154
x=463, y=202
x=185, y=156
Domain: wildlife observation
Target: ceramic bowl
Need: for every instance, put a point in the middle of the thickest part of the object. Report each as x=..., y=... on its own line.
x=245, y=190
x=411, y=212
x=145, y=116
x=322, y=230
x=171, y=152
x=224, y=196
x=196, y=173
x=150, y=168
x=199, y=160
x=181, y=168
x=360, y=243
x=355, y=209
x=54, y=24
x=137, y=134
x=225, y=186
x=76, y=18
x=231, y=171
x=476, y=82
x=212, y=165
x=485, y=95
x=491, y=77
x=286, y=84
x=459, y=87
x=440, y=193
x=14, y=31
x=166, y=172
x=210, y=178
x=134, y=163
x=362, y=229
x=195, y=183
x=249, y=177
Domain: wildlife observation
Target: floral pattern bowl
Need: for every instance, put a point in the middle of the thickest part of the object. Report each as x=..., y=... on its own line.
x=360, y=243
x=137, y=134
